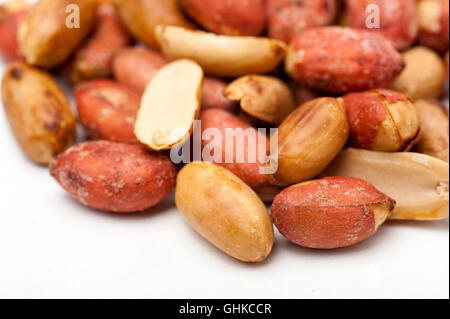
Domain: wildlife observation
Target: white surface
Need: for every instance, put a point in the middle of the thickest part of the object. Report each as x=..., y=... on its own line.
x=52, y=247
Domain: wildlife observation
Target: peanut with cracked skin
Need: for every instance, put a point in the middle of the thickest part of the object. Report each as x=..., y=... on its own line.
x=44, y=38
x=424, y=75
x=330, y=213
x=435, y=129
x=418, y=182
x=382, y=120
x=264, y=97
x=114, y=177
x=398, y=18
x=341, y=60
x=229, y=17
x=287, y=18
x=224, y=211
x=308, y=140
x=107, y=110
x=38, y=112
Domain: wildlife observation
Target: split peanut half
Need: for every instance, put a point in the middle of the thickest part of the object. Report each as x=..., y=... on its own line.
x=170, y=105
x=419, y=183
x=219, y=55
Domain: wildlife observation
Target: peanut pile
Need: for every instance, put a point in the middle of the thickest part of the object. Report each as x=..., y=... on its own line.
x=347, y=93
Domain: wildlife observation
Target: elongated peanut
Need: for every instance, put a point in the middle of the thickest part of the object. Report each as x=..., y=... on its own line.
x=225, y=211
x=308, y=140
x=330, y=213
x=38, y=111
x=48, y=37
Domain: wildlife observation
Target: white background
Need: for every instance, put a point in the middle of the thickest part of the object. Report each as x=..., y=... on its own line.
x=50, y=246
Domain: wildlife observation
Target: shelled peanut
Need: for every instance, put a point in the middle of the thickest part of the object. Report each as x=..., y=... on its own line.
x=343, y=86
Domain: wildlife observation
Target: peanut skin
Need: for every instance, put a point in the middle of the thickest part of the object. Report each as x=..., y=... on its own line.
x=330, y=213
x=341, y=60
x=114, y=177
x=9, y=25
x=247, y=171
x=382, y=120
x=107, y=110
x=230, y=17
x=287, y=18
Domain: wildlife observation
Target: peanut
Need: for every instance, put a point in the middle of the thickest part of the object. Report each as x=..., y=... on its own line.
x=38, y=112
x=45, y=39
x=330, y=213
x=424, y=75
x=165, y=119
x=435, y=129
x=225, y=211
x=308, y=140
x=263, y=97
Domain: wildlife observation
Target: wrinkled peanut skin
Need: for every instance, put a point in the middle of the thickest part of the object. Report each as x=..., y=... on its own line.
x=38, y=112
x=224, y=211
x=94, y=59
x=398, y=19
x=287, y=18
x=140, y=17
x=330, y=213
x=342, y=60
x=114, y=177
x=45, y=40
x=230, y=17
x=247, y=171
x=308, y=140
x=107, y=110
x=434, y=24
x=424, y=75
x=435, y=129
x=9, y=25
x=136, y=67
x=382, y=120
